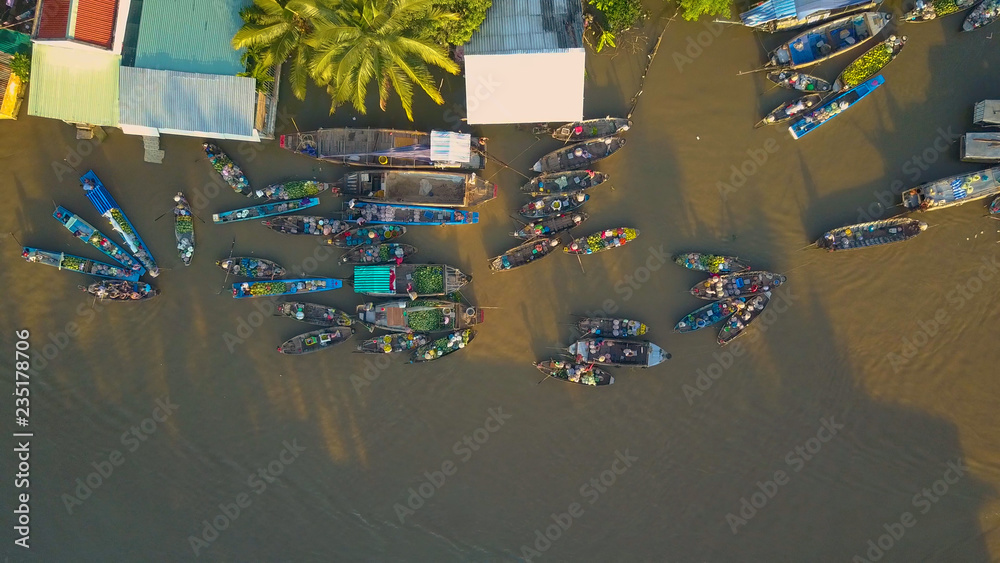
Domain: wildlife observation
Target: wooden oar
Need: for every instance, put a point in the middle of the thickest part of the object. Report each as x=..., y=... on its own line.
x=164, y=213
x=581, y=263
x=227, y=269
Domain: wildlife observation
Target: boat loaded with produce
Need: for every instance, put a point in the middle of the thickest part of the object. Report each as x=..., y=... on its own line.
x=737, y=285
x=618, y=328
x=121, y=291
x=558, y=182
x=873, y=233
x=79, y=264
x=710, y=314
x=227, y=169
x=982, y=15
x=306, y=225
x=110, y=210
x=617, y=352
x=798, y=81
x=580, y=155
x=741, y=319
x=88, y=234
x=250, y=267
x=420, y=315
x=393, y=343
x=443, y=346
x=374, y=234
x=925, y=10
x=602, y=240
x=313, y=313
x=284, y=287
x=829, y=40
x=834, y=107
x=414, y=280
x=591, y=129
x=388, y=253
x=264, y=210
x=953, y=190
x=295, y=189
x=390, y=148
x=550, y=225
x=583, y=374
x=549, y=205
x=418, y=187
x=315, y=341
x=869, y=64
x=183, y=229
x=393, y=214
x=711, y=263
x=791, y=109
x=524, y=253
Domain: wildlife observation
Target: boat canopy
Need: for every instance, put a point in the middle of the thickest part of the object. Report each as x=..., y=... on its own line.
x=774, y=10
x=374, y=279
x=447, y=146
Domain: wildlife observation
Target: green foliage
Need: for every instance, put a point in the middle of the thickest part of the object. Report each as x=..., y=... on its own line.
x=607, y=38
x=620, y=15
x=20, y=65
x=252, y=61
x=693, y=9
x=471, y=14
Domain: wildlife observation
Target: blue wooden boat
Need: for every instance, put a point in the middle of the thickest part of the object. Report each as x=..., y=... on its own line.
x=834, y=107
x=284, y=287
x=265, y=210
x=393, y=214
x=110, y=210
x=829, y=40
x=64, y=261
x=88, y=234
x=710, y=314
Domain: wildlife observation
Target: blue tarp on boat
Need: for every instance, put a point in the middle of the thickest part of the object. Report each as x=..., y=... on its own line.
x=772, y=10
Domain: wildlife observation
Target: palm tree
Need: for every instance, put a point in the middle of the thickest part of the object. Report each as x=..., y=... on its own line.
x=280, y=29
x=387, y=41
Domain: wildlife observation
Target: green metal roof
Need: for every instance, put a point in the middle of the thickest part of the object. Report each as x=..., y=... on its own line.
x=190, y=36
x=12, y=42
x=75, y=85
x=372, y=279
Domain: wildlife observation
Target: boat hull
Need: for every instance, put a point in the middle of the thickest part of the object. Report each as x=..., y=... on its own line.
x=314, y=314
x=789, y=110
x=306, y=225
x=79, y=264
x=616, y=352
x=314, y=341
x=388, y=253
x=524, y=254
x=953, y=190
x=709, y=314
x=711, y=263
x=616, y=328
x=421, y=315
x=403, y=280
x=743, y=284
x=295, y=189
x=254, y=268
x=869, y=64
x=582, y=374
x=549, y=205
x=443, y=346
x=580, y=155
x=392, y=214
x=88, y=234
x=387, y=148
x=110, y=210
x=393, y=343
x=561, y=182
x=591, y=129
x=375, y=234
x=550, y=225
x=264, y=210
x=245, y=290
x=418, y=187
x=121, y=291
x=184, y=229
x=798, y=81
x=227, y=169
x=982, y=15
x=873, y=233
x=834, y=107
x=602, y=240
x=738, y=323
x=829, y=40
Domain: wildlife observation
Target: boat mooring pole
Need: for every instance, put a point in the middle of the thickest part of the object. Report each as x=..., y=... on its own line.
x=227, y=269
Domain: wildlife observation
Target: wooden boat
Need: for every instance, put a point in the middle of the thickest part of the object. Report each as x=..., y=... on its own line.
x=982, y=15
x=925, y=11
x=953, y=190
x=315, y=341
x=580, y=155
x=273, y=288
x=249, y=267
x=779, y=15
x=387, y=253
x=559, y=182
x=874, y=233
x=826, y=41
x=602, y=240
x=742, y=284
x=293, y=189
x=550, y=225
x=524, y=253
x=110, y=210
x=834, y=107
x=710, y=314
x=264, y=210
x=617, y=352
x=306, y=225
x=443, y=346
x=413, y=280
x=995, y=207
x=64, y=261
x=591, y=129
x=393, y=214
x=394, y=343
x=418, y=187
x=799, y=81
x=121, y=291
x=791, y=109
x=618, y=328
x=870, y=63
x=184, y=229
x=986, y=113
x=711, y=263
x=738, y=323
x=549, y=205
x=88, y=234
x=980, y=147
x=420, y=315
x=374, y=234
x=584, y=374
x=314, y=314
x=390, y=148
x=226, y=168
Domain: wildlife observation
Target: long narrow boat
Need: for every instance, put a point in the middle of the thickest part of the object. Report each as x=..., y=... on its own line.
x=711, y=263
x=743, y=284
x=64, y=261
x=558, y=182
x=738, y=323
x=249, y=267
x=226, y=168
x=602, y=240
x=393, y=214
x=293, y=189
x=315, y=341
x=617, y=352
x=791, y=109
x=183, y=229
x=548, y=205
x=783, y=15
x=524, y=253
x=88, y=234
x=710, y=314
x=618, y=328
x=388, y=253
x=580, y=155
x=390, y=148
x=264, y=210
x=584, y=374
x=121, y=291
x=414, y=280
x=373, y=234
x=110, y=210
x=591, y=129
x=394, y=343
x=953, y=190
x=870, y=63
x=550, y=225
x=826, y=41
x=834, y=107
x=284, y=287
x=798, y=81
x=307, y=225
x=314, y=314
x=982, y=15
x=979, y=147
x=928, y=10
x=443, y=346
x=418, y=187
x=874, y=233
x=420, y=315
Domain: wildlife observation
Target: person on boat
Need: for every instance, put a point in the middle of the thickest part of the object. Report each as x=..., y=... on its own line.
x=88, y=184
x=630, y=353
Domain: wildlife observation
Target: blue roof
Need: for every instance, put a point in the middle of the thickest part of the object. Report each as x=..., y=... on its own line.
x=190, y=35
x=772, y=10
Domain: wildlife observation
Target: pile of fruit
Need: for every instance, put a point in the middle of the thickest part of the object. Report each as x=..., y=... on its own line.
x=298, y=190
x=428, y=280
x=72, y=263
x=445, y=345
x=268, y=288
x=428, y=320
x=945, y=7
x=119, y=218
x=867, y=65
x=183, y=225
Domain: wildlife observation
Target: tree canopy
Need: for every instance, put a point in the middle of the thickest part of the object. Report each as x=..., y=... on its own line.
x=694, y=9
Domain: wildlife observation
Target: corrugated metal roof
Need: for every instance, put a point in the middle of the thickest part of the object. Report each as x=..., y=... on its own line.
x=188, y=102
x=190, y=35
x=12, y=42
x=95, y=21
x=75, y=85
x=373, y=279
x=53, y=19
x=528, y=26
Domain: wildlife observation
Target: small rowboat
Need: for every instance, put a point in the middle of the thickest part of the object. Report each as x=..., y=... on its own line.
x=315, y=341
x=743, y=284
x=254, y=268
x=584, y=374
x=297, y=189
x=874, y=233
x=79, y=264
x=549, y=205
x=710, y=314
x=183, y=229
x=121, y=291
x=306, y=225
x=88, y=234
x=826, y=41
x=524, y=253
x=227, y=169
x=602, y=240
x=798, y=81
x=375, y=234
x=252, y=289
x=393, y=214
x=264, y=210
x=833, y=107
x=711, y=263
x=995, y=207
x=926, y=11
x=314, y=314
x=870, y=63
x=393, y=343
x=617, y=352
x=580, y=155
x=443, y=346
x=558, y=182
x=738, y=323
x=619, y=328
x=388, y=253
x=591, y=129
x=550, y=225
x=983, y=15
x=790, y=109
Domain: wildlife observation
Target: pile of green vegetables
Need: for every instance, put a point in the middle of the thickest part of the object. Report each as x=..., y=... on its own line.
x=268, y=288
x=183, y=224
x=119, y=218
x=428, y=280
x=945, y=7
x=427, y=320
x=301, y=189
x=867, y=65
x=72, y=263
